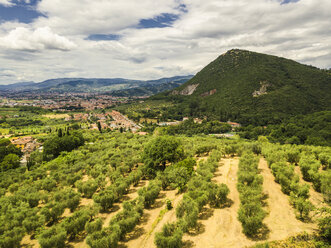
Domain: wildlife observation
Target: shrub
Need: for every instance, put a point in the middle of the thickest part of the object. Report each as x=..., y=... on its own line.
x=150, y=193
x=54, y=237
x=11, y=238
x=87, y=188
x=251, y=216
x=105, y=238
x=168, y=204
x=76, y=223
x=93, y=226
x=169, y=237
x=105, y=198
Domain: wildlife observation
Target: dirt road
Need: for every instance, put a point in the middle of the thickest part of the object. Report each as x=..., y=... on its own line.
x=144, y=233
x=281, y=220
x=223, y=229
x=315, y=197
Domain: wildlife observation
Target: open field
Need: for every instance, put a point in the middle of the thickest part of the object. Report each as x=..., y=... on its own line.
x=56, y=116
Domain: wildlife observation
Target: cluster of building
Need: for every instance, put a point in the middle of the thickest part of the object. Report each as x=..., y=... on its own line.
x=115, y=120
x=62, y=102
x=27, y=145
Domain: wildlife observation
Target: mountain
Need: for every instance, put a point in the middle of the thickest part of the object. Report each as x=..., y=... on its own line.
x=16, y=85
x=252, y=88
x=97, y=85
x=152, y=88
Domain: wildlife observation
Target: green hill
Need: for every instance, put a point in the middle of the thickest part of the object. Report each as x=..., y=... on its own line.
x=252, y=88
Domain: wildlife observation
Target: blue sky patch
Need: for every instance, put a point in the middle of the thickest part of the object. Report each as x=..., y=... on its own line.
x=289, y=1
x=97, y=37
x=21, y=11
x=161, y=21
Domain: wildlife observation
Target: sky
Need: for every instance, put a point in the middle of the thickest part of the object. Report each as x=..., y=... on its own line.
x=149, y=39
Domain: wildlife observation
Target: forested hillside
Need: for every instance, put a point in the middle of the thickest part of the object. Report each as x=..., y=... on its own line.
x=252, y=88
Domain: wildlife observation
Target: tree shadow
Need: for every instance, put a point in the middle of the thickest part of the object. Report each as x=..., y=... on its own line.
x=136, y=233
x=161, y=195
x=206, y=213
x=188, y=244
x=227, y=204
x=131, y=191
x=144, y=218
x=114, y=208
x=199, y=229
x=263, y=234
x=157, y=204
x=125, y=198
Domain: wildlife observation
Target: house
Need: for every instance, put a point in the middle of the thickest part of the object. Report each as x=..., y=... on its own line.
x=21, y=142
x=234, y=124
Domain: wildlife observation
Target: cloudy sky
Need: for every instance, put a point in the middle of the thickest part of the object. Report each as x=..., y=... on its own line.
x=148, y=39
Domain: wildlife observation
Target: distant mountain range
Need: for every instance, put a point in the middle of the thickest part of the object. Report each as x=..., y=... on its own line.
x=118, y=86
x=252, y=88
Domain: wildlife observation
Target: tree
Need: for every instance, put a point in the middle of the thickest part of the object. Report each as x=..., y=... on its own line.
x=105, y=198
x=187, y=212
x=11, y=161
x=93, y=226
x=87, y=188
x=304, y=207
x=169, y=237
x=12, y=238
x=104, y=237
x=60, y=133
x=160, y=151
x=220, y=193
x=99, y=126
x=54, y=237
x=76, y=223
x=324, y=223
x=251, y=216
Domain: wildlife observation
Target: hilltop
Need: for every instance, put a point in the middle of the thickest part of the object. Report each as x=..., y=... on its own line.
x=253, y=88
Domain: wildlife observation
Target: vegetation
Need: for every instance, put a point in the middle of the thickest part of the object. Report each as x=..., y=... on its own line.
x=291, y=89
x=55, y=145
x=81, y=176
x=250, y=213
x=9, y=155
x=159, y=152
x=190, y=128
x=289, y=181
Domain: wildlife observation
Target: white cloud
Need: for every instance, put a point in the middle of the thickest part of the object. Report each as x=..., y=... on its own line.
x=6, y=3
x=22, y=38
x=298, y=31
x=100, y=16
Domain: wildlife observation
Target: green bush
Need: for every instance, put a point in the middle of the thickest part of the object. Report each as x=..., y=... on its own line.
x=169, y=237
x=87, y=188
x=53, y=237
x=93, y=226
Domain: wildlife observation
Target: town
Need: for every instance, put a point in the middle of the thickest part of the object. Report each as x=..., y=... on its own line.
x=62, y=102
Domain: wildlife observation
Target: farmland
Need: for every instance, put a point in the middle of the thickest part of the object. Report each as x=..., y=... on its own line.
x=128, y=190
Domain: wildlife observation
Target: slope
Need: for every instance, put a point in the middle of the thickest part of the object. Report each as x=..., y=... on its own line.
x=248, y=86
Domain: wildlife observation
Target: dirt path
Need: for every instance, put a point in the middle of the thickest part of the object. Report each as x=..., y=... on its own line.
x=281, y=220
x=222, y=229
x=27, y=242
x=315, y=197
x=143, y=235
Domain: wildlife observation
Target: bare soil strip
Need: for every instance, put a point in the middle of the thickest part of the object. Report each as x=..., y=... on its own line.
x=315, y=197
x=222, y=229
x=281, y=220
x=143, y=235
x=27, y=242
